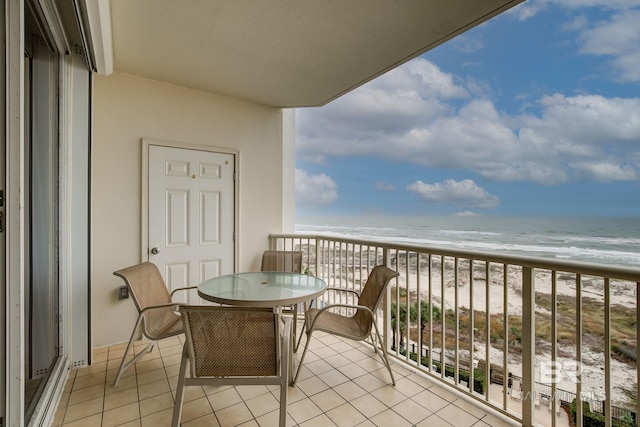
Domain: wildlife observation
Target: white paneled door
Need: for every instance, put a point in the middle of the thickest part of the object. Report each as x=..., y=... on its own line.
x=190, y=215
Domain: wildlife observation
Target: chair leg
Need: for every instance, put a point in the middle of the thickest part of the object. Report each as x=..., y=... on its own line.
x=306, y=347
x=383, y=354
x=297, y=341
x=124, y=366
x=286, y=363
x=177, y=406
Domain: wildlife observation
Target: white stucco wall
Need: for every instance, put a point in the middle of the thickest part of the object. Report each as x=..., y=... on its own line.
x=128, y=108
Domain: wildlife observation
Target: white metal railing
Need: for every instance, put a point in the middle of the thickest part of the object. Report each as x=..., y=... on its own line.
x=562, y=330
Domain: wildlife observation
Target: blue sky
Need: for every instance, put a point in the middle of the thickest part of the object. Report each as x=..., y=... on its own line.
x=534, y=113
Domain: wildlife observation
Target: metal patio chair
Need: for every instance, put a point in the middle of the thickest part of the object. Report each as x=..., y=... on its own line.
x=358, y=326
x=234, y=346
x=156, y=310
x=288, y=262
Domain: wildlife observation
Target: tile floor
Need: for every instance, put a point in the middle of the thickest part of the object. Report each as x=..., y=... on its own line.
x=343, y=383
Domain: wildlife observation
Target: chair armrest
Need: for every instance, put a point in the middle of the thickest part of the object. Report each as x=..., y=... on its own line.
x=183, y=289
x=330, y=306
x=343, y=290
x=152, y=307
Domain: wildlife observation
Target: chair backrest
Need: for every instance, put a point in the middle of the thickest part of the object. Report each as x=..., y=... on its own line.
x=147, y=288
x=372, y=293
x=231, y=341
x=286, y=261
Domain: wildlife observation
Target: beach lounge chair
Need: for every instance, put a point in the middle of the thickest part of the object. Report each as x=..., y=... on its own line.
x=156, y=310
x=357, y=327
x=233, y=346
x=288, y=262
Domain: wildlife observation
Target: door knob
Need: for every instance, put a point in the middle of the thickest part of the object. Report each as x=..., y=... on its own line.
x=155, y=251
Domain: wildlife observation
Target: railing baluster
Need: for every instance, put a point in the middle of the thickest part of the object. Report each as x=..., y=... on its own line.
x=505, y=332
x=553, y=401
x=607, y=350
x=528, y=344
x=488, y=313
x=443, y=316
x=579, y=412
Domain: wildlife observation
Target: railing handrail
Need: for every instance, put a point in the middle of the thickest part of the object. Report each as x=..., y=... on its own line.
x=594, y=269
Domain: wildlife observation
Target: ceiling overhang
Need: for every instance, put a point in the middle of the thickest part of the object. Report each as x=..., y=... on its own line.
x=281, y=53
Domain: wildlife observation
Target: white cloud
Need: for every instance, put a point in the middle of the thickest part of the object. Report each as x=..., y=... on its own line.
x=531, y=8
x=619, y=39
x=563, y=141
x=315, y=190
x=464, y=193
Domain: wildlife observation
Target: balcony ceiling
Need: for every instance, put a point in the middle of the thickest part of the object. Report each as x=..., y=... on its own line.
x=283, y=53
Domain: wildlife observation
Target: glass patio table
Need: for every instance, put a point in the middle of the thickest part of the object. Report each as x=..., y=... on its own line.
x=261, y=289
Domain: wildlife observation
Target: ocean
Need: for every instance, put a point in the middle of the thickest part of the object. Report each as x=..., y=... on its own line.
x=609, y=241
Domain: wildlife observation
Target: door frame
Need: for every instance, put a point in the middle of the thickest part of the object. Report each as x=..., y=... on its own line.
x=144, y=232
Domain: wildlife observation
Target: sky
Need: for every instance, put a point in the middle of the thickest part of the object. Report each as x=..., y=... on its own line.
x=533, y=113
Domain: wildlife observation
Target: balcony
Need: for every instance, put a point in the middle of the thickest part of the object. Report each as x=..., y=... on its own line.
x=560, y=340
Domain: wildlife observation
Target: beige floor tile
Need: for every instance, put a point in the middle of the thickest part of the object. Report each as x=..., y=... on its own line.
x=224, y=398
x=92, y=421
x=208, y=420
x=430, y=400
x=83, y=410
x=151, y=376
x=355, y=355
x=328, y=400
x=349, y=390
x=370, y=382
x=434, y=420
x=352, y=371
x=469, y=407
x=95, y=368
x=303, y=410
x=311, y=386
x=390, y=395
x=338, y=360
x=412, y=411
x=127, y=380
x=368, y=405
x=408, y=387
x=333, y=377
x=87, y=393
x=156, y=404
x=196, y=409
x=346, y=416
x=462, y=418
x=153, y=389
x=147, y=365
x=158, y=419
x=391, y=418
x=273, y=419
x=173, y=360
x=251, y=391
x=134, y=423
x=262, y=404
x=121, y=415
x=234, y=415
x=122, y=398
x=321, y=420
x=318, y=366
x=88, y=381
x=295, y=394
